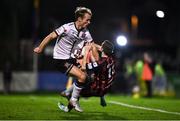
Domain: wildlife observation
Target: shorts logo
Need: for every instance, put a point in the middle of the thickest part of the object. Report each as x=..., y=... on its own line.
x=66, y=65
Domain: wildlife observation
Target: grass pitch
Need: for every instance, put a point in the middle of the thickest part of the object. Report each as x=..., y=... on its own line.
x=44, y=107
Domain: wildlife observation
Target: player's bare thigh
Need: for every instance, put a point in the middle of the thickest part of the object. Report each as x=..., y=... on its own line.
x=80, y=75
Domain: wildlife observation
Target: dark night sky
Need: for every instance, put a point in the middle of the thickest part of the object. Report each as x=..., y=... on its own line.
x=109, y=18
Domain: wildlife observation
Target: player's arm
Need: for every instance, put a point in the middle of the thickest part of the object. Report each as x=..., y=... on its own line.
x=95, y=53
x=98, y=47
x=45, y=41
x=84, y=60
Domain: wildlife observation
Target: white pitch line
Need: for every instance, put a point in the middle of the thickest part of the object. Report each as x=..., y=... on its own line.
x=143, y=108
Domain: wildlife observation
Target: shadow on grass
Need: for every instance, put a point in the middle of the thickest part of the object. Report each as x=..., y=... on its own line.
x=90, y=116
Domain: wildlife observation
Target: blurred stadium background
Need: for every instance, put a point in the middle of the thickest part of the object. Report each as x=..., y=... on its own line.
x=24, y=23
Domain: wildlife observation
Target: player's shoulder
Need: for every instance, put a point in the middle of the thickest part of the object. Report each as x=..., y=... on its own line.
x=68, y=25
x=107, y=60
x=111, y=59
x=102, y=60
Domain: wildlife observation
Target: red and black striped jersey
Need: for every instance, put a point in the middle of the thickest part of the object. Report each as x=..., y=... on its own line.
x=104, y=75
x=103, y=78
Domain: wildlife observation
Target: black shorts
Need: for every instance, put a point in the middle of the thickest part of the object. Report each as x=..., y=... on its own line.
x=64, y=66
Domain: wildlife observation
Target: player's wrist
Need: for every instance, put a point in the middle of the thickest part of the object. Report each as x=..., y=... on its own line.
x=83, y=68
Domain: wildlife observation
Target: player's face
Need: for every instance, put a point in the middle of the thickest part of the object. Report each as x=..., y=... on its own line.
x=85, y=21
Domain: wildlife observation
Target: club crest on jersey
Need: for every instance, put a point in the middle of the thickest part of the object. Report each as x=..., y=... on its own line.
x=83, y=35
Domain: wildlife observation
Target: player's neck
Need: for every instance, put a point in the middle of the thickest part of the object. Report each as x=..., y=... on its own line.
x=78, y=26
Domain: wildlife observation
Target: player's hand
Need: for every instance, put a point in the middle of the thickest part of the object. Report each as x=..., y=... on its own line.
x=83, y=68
x=88, y=46
x=37, y=50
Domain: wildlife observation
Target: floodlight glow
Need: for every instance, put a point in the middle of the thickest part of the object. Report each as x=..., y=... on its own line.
x=160, y=14
x=121, y=40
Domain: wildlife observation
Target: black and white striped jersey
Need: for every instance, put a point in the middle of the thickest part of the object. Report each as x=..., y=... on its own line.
x=69, y=40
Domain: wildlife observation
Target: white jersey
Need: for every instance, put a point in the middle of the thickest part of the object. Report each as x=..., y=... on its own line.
x=68, y=39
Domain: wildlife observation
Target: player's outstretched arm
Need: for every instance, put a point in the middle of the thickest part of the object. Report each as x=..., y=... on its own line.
x=95, y=54
x=84, y=60
x=44, y=42
x=98, y=47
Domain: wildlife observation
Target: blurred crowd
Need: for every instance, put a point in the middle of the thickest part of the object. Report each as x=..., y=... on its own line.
x=145, y=76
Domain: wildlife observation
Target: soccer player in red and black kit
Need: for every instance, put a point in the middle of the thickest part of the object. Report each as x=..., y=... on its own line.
x=100, y=69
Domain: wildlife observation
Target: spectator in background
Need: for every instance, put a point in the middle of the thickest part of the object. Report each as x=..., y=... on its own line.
x=160, y=80
x=147, y=73
x=138, y=70
x=130, y=75
x=7, y=77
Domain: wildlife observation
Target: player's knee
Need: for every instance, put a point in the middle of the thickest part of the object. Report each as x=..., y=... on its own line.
x=82, y=77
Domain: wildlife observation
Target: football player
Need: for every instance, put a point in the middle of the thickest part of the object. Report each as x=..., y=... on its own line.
x=98, y=63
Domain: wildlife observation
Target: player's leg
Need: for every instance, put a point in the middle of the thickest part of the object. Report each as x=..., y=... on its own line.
x=68, y=67
x=102, y=101
x=63, y=107
x=69, y=82
x=67, y=93
x=69, y=88
x=77, y=87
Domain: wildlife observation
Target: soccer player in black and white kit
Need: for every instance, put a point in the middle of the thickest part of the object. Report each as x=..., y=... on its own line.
x=69, y=37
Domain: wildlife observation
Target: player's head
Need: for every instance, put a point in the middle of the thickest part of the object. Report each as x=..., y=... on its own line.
x=81, y=11
x=107, y=47
x=83, y=16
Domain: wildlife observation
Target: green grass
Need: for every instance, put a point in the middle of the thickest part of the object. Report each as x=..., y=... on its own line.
x=44, y=107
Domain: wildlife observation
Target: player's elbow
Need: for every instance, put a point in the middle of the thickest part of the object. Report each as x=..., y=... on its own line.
x=52, y=35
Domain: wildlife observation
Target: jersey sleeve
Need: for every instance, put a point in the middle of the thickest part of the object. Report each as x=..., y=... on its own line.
x=59, y=31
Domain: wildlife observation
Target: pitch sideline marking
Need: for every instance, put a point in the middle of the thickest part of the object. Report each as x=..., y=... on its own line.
x=143, y=108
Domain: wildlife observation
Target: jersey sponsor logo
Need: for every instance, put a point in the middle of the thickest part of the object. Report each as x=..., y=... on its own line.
x=95, y=64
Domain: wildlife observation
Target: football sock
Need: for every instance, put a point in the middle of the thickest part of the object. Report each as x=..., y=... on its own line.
x=76, y=91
